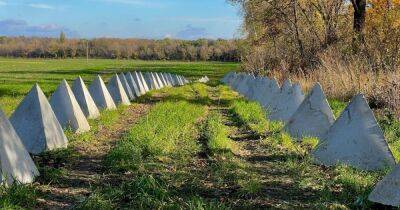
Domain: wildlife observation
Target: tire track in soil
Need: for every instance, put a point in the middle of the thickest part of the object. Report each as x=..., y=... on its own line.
x=278, y=185
x=87, y=171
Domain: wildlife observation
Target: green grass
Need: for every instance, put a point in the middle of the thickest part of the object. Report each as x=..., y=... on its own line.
x=337, y=106
x=18, y=196
x=252, y=115
x=216, y=134
x=17, y=76
x=169, y=130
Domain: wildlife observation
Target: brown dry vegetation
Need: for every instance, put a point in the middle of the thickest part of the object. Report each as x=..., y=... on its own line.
x=347, y=46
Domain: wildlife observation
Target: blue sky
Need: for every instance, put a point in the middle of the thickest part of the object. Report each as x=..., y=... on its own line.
x=184, y=19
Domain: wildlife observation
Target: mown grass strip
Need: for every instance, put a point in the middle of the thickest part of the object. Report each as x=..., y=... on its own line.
x=168, y=131
x=250, y=114
x=216, y=134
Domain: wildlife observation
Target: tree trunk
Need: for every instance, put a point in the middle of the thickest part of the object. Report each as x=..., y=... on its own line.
x=360, y=7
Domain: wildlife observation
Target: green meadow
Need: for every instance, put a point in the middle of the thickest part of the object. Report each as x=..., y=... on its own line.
x=17, y=76
x=199, y=146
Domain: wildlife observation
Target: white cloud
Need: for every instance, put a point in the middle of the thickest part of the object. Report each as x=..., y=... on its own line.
x=41, y=6
x=3, y=3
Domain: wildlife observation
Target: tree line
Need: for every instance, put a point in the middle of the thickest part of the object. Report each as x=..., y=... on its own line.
x=113, y=48
x=295, y=34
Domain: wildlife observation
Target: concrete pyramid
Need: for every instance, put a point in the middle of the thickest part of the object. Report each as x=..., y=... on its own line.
x=227, y=77
x=313, y=118
x=141, y=77
x=117, y=91
x=387, y=191
x=67, y=109
x=355, y=139
x=161, y=75
x=244, y=86
x=149, y=82
x=179, y=79
x=251, y=79
x=253, y=87
x=259, y=88
x=126, y=86
x=134, y=79
x=273, y=91
x=237, y=81
x=159, y=80
x=100, y=94
x=170, y=79
x=166, y=79
x=84, y=99
x=134, y=86
x=175, y=79
x=289, y=101
x=36, y=124
x=16, y=165
x=154, y=80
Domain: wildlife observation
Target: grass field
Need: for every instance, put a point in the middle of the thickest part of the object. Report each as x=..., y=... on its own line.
x=199, y=146
x=17, y=76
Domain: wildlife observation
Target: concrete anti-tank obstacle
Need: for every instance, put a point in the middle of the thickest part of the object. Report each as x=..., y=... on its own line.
x=16, y=165
x=164, y=81
x=227, y=77
x=253, y=88
x=153, y=81
x=387, y=191
x=248, y=92
x=260, y=88
x=290, y=99
x=67, y=109
x=355, y=139
x=149, y=82
x=165, y=75
x=244, y=86
x=100, y=94
x=134, y=85
x=237, y=81
x=231, y=79
x=135, y=79
x=117, y=91
x=273, y=91
x=176, y=80
x=181, y=83
x=36, y=124
x=170, y=79
x=157, y=80
x=141, y=77
x=84, y=99
x=313, y=118
x=127, y=87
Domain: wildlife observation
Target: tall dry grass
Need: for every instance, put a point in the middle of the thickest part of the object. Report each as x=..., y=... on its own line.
x=342, y=78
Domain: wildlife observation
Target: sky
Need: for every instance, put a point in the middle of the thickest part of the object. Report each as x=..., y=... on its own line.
x=152, y=19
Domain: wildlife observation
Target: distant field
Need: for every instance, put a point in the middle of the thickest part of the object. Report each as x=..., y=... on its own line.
x=18, y=75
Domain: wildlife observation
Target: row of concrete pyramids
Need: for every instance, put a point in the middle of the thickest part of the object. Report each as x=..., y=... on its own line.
x=204, y=79
x=37, y=124
x=355, y=138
